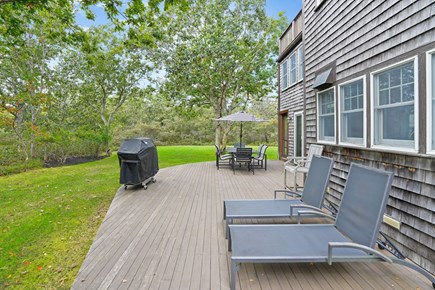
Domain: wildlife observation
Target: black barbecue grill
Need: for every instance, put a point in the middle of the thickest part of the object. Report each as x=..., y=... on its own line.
x=138, y=162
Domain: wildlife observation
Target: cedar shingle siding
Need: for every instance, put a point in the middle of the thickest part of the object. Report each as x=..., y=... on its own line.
x=291, y=98
x=359, y=38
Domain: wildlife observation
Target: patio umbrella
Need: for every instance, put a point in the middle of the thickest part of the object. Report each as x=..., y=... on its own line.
x=240, y=117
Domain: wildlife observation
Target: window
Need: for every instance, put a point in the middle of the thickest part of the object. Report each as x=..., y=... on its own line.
x=431, y=102
x=284, y=73
x=326, y=115
x=301, y=63
x=293, y=69
x=351, y=116
x=394, y=107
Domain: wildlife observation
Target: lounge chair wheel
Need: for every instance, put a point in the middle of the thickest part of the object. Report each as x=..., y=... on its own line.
x=125, y=186
x=381, y=247
x=145, y=187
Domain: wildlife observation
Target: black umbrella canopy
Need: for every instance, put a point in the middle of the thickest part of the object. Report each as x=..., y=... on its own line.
x=240, y=117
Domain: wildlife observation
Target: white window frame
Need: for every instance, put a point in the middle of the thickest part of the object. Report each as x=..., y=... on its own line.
x=339, y=111
x=285, y=76
x=430, y=114
x=300, y=63
x=416, y=115
x=295, y=68
x=332, y=140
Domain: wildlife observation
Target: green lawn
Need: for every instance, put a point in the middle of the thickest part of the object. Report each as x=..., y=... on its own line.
x=49, y=217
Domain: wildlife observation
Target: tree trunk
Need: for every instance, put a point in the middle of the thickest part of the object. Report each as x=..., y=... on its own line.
x=217, y=140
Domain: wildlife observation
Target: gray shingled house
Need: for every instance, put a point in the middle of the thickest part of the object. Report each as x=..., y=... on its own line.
x=291, y=86
x=367, y=93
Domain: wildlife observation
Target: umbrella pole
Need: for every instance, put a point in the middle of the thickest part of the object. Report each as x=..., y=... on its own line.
x=241, y=133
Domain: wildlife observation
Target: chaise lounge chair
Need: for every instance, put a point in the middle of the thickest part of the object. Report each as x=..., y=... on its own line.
x=311, y=198
x=351, y=239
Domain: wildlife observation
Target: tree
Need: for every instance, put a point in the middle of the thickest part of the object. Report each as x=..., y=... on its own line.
x=221, y=54
x=155, y=116
x=133, y=16
x=106, y=74
x=25, y=76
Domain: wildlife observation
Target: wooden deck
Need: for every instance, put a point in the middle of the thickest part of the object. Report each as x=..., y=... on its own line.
x=171, y=236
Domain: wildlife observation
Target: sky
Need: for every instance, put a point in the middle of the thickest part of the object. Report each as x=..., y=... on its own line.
x=290, y=8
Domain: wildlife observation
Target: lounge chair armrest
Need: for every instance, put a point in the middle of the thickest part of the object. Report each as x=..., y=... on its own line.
x=292, y=206
x=287, y=192
x=366, y=249
x=295, y=160
x=312, y=212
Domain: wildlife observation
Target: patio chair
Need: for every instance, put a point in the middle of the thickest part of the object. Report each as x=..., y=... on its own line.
x=261, y=158
x=297, y=165
x=351, y=239
x=223, y=159
x=311, y=198
x=259, y=149
x=243, y=155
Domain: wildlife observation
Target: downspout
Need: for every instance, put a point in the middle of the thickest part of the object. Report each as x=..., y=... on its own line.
x=278, y=110
x=304, y=82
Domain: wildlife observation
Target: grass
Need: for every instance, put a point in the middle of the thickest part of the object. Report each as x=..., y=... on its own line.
x=17, y=168
x=50, y=216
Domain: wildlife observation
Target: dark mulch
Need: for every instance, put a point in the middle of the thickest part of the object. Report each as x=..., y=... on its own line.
x=72, y=161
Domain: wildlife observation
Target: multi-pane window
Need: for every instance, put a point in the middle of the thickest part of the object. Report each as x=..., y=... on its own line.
x=326, y=112
x=301, y=63
x=293, y=68
x=284, y=73
x=394, y=107
x=352, y=112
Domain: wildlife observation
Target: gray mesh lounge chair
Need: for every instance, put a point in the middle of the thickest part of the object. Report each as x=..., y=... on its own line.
x=311, y=198
x=351, y=239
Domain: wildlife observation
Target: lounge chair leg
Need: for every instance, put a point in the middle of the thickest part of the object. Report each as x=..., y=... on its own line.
x=225, y=210
x=285, y=179
x=415, y=268
x=229, y=241
x=234, y=268
x=227, y=227
x=295, y=185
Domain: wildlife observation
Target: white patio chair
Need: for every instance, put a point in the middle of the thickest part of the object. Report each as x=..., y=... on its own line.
x=223, y=159
x=297, y=165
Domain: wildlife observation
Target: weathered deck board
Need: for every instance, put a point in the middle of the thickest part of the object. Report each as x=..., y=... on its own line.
x=172, y=236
